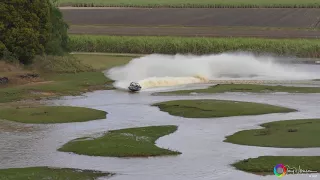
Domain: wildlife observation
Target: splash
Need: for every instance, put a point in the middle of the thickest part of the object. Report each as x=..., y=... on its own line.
x=170, y=70
x=170, y=81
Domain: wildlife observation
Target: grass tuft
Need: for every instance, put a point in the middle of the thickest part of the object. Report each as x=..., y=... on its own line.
x=247, y=88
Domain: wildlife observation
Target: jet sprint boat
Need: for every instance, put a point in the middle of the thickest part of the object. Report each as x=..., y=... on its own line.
x=134, y=87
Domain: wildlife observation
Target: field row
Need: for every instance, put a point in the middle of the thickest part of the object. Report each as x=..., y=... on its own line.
x=192, y=3
x=294, y=18
x=195, y=31
x=173, y=45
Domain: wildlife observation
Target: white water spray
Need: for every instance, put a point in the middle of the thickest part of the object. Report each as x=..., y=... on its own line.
x=169, y=70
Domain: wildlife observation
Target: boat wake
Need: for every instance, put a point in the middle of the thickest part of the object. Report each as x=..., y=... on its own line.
x=158, y=70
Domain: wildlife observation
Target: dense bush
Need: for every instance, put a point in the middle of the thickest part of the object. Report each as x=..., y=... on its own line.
x=29, y=28
x=58, y=42
x=194, y=45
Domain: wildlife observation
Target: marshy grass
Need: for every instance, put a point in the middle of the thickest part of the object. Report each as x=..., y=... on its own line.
x=131, y=142
x=205, y=108
x=283, y=134
x=193, y=3
x=264, y=165
x=51, y=114
x=252, y=88
x=50, y=173
x=194, y=45
x=59, y=76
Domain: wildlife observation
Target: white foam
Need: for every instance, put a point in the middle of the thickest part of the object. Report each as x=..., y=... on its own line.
x=158, y=70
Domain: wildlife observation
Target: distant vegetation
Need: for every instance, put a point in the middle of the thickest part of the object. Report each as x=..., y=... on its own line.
x=194, y=3
x=30, y=28
x=194, y=45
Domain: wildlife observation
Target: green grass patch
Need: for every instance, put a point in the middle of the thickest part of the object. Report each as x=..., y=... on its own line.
x=132, y=142
x=261, y=28
x=60, y=64
x=247, y=88
x=284, y=134
x=50, y=173
x=206, y=108
x=51, y=114
x=103, y=62
x=194, y=45
x=56, y=85
x=75, y=75
x=264, y=165
x=194, y=3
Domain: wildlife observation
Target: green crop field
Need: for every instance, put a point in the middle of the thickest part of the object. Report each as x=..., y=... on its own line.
x=193, y=3
x=194, y=45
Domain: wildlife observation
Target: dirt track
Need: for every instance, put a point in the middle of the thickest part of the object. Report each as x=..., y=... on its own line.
x=291, y=18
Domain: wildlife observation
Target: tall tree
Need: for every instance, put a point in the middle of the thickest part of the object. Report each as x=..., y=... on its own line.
x=31, y=27
x=25, y=27
x=58, y=42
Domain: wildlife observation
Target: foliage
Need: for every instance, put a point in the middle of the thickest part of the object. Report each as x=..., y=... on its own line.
x=30, y=28
x=194, y=3
x=24, y=27
x=2, y=49
x=58, y=43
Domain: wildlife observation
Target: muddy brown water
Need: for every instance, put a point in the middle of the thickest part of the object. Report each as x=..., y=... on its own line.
x=204, y=154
